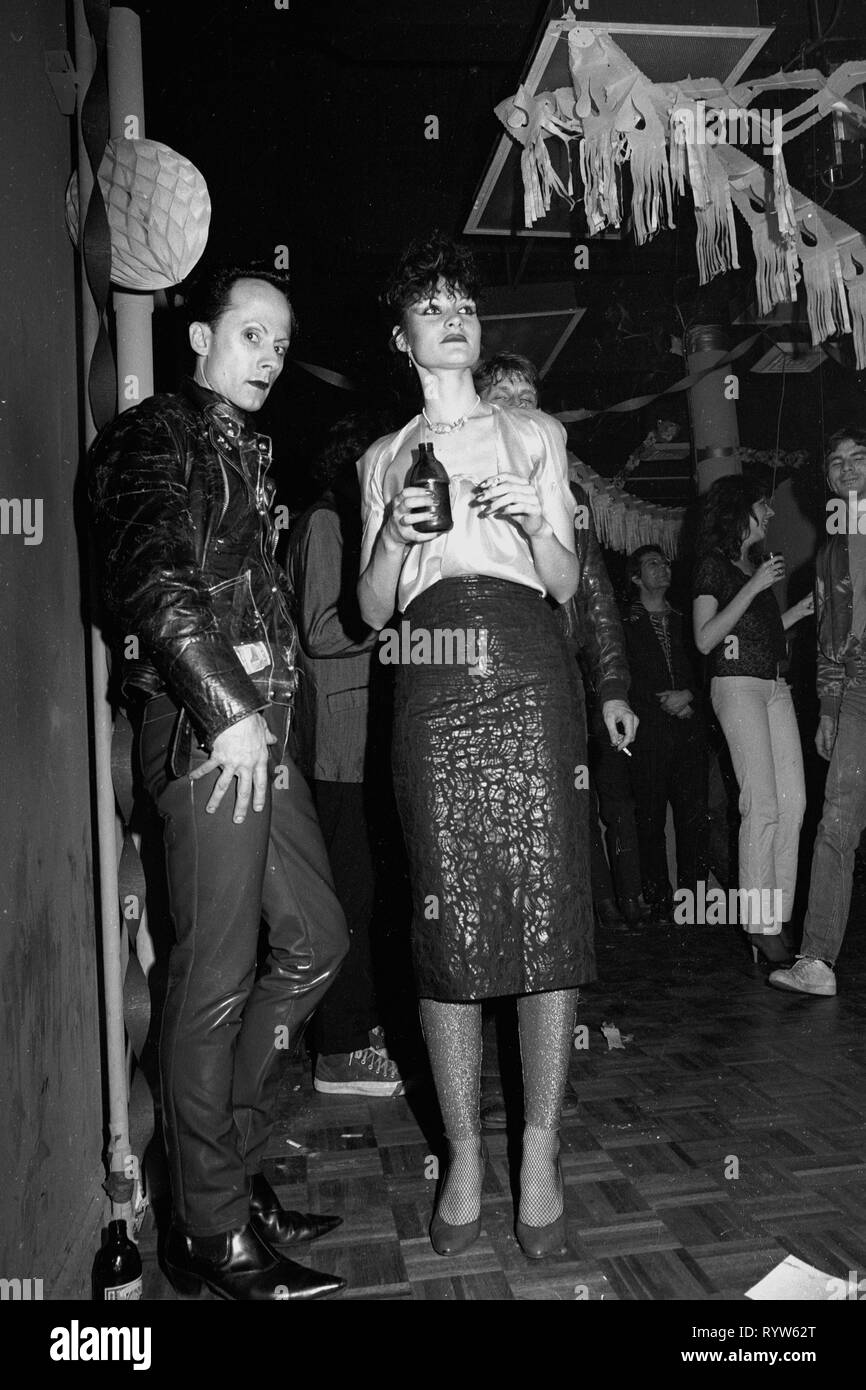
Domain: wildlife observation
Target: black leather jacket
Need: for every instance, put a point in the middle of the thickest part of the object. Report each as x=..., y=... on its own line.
x=591, y=618
x=181, y=508
x=841, y=654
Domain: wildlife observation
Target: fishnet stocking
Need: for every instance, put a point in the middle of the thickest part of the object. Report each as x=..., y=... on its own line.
x=546, y=1028
x=452, y=1033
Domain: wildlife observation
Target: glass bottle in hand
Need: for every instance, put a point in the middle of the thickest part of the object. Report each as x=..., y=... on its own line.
x=427, y=472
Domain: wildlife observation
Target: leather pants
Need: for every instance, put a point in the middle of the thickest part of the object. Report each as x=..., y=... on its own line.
x=225, y=1023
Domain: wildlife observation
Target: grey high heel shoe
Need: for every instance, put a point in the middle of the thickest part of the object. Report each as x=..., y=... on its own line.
x=537, y=1242
x=449, y=1239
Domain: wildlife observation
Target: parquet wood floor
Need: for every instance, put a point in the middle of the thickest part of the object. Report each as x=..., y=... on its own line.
x=728, y=1134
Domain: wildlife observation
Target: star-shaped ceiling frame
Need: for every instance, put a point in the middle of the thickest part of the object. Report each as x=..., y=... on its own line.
x=663, y=52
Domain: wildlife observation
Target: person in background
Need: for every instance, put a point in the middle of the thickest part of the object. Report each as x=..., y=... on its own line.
x=508, y=379
x=841, y=736
x=738, y=626
x=670, y=752
x=330, y=730
x=608, y=772
x=590, y=622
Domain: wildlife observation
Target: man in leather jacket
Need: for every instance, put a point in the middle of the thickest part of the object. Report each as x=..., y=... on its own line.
x=181, y=505
x=840, y=611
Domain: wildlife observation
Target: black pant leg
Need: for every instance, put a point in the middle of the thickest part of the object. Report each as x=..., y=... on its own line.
x=345, y=1017
x=688, y=795
x=609, y=771
x=650, y=772
x=214, y=872
x=599, y=870
x=307, y=943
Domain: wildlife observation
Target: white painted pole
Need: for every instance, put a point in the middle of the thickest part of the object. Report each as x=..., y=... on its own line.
x=115, y=1043
x=132, y=311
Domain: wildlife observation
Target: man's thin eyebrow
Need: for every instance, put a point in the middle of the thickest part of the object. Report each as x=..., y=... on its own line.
x=254, y=323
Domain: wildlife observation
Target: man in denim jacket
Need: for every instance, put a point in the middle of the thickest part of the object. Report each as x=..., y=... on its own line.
x=181, y=504
x=841, y=617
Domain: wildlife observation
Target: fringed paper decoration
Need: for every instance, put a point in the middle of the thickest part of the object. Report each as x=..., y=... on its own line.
x=786, y=217
x=623, y=116
x=772, y=274
x=717, y=231
x=826, y=301
x=602, y=150
x=856, y=287
x=624, y=522
x=652, y=203
x=679, y=120
x=603, y=79
x=531, y=119
x=782, y=198
x=693, y=159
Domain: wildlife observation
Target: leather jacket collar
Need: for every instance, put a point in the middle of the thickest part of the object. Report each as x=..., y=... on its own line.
x=216, y=409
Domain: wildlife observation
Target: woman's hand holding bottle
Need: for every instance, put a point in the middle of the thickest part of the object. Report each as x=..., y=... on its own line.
x=409, y=507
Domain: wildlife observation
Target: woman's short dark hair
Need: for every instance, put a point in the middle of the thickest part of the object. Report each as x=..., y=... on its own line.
x=425, y=262
x=725, y=514
x=207, y=297
x=508, y=365
x=855, y=433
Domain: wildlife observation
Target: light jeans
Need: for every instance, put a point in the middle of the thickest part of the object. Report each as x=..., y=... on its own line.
x=842, y=823
x=758, y=721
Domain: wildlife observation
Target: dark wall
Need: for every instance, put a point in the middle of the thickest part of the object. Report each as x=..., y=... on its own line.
x=50, y=1134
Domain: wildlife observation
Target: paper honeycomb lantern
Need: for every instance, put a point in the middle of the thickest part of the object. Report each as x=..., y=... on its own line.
x=158, y=213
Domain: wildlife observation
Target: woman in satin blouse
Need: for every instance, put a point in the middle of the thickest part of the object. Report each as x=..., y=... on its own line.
x=487, y=752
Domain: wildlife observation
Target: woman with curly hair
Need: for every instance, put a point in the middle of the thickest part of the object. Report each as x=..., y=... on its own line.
x=739, y=627
x=487, y=757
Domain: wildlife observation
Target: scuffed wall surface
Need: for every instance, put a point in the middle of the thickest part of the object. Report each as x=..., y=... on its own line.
x=51, y=1131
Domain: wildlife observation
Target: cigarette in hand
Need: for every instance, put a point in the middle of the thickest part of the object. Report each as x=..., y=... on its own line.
x=627, y=751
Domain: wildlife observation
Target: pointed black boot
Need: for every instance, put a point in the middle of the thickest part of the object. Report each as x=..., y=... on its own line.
x=278, y=1226
x=241, y=1267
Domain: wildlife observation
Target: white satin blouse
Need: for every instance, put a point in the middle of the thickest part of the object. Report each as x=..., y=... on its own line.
x=526, y=442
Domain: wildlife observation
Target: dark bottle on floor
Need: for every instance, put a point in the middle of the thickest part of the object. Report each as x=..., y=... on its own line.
x=427, y=472
x=117, y=1267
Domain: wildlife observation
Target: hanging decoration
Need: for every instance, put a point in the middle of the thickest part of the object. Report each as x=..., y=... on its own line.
x=784, y=462
x=622, y=521
x=669, y=135
x=530, y=120
x=158, y=213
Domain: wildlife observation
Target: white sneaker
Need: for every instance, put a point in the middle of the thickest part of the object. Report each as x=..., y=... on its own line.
x=806, y=975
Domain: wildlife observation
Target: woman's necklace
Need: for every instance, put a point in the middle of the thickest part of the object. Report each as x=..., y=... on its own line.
x=449, y=426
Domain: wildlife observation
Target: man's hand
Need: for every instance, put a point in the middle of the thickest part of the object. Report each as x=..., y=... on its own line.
x=617, y=715
x=676, y=702
x=241, y=751
x=826, y=735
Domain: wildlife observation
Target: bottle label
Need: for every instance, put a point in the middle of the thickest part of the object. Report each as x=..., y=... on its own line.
x=126, y=1291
